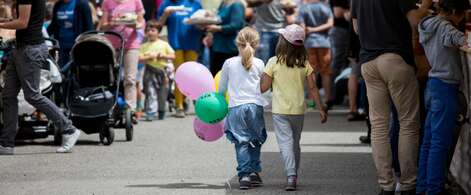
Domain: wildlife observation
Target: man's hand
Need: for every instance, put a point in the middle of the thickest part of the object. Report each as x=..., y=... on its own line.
x=208, y=41
x=323, y=114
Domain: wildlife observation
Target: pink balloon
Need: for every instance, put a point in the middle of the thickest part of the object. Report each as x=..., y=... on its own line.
x=193, y=79
x=208, y=132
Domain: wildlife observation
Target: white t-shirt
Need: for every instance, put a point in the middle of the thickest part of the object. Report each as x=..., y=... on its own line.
x=243, y=86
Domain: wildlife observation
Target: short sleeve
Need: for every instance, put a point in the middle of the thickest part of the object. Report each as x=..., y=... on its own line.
x=169, y=49
x=353, y=9
x=269, y=69
x=300, y=17
x=162, y=8
x=139, y=7
x=407, y=5
x=143, y=49
x=328, y=12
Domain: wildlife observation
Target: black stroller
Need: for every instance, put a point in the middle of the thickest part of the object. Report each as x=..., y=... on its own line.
x=93, y=96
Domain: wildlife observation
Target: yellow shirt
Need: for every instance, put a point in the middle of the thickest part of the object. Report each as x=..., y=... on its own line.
x=288, y=87
x=160, y=47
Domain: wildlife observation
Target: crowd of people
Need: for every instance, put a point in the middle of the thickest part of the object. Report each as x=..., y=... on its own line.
x=391, y=57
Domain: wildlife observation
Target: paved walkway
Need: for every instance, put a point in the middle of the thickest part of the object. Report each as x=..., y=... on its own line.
x=167, y=158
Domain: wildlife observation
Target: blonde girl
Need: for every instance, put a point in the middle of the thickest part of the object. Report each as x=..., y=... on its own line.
x=245, y=126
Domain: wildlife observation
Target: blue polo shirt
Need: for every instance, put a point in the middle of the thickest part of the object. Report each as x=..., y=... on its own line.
x=180, y=35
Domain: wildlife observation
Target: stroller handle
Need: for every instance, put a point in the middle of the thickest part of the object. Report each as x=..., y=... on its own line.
x=112, y=33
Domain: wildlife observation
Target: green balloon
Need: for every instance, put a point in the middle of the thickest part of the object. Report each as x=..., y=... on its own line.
x=211, y=107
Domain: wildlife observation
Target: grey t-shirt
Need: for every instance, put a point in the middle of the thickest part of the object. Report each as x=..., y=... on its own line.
x=313, y=15
x=269, y=17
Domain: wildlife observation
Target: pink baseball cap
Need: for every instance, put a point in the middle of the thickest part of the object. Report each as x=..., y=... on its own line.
x=294, y=34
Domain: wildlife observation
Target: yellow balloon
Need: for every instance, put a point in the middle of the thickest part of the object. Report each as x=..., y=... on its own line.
x=217, y=78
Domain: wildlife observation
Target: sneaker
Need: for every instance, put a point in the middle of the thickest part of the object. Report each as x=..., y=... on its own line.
x=150, y=117
x=68, y=141
x=365, y=139
x=255, y=180
x=180, y=113
x=6, y=150
x=292, y=183
x=244, y=183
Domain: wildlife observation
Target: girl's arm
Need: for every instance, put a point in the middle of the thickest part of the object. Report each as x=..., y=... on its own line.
x=224, y=81
x=266, y=82
x=323, y=27
x=314, y=94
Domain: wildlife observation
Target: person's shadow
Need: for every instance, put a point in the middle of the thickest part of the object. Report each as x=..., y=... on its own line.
x=180, y=186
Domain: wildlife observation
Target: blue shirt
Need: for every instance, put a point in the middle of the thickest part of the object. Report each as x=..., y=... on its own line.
x=233, y=20
x=65, y=17
x=313, y=15
x=180, y=35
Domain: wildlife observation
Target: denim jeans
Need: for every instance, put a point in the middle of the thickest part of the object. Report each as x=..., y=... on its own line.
x=442, y=103
x=268, y=41
x=248, y=158
x=23, y=72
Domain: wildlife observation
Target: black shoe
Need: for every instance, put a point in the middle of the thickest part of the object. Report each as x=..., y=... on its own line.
x=292, y=183
x=161, y=115
x=256, y=180
x=329, y=105
x=383, y=192
x=244, y=183
x=365, y=139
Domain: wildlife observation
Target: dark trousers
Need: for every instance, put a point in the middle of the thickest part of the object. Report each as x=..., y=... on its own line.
x=23, y=72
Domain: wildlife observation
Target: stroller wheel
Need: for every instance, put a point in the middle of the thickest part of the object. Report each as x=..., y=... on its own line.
x=106, y=135
x=129, y=125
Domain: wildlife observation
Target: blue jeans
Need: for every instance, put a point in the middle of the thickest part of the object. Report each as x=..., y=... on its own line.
x=442, y=103
x=248, y=158
x=268, y=41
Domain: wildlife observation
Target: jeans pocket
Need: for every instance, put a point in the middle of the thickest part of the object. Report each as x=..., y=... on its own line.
x=36, y=55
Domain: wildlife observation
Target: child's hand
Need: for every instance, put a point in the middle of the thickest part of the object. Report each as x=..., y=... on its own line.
x=323, y=115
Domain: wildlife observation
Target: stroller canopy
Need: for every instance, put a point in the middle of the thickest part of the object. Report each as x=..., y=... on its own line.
x=93, y=58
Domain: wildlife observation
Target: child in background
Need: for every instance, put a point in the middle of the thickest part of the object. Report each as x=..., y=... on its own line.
x=317, y=18
x=155, y=53
x=287, y=73
x=245, y=125
x=442, y=42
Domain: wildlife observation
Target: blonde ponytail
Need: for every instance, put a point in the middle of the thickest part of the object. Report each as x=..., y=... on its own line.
x=247, y=41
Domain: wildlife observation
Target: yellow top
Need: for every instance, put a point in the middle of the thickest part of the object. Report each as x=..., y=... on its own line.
x=158, y=46
x=288, y=87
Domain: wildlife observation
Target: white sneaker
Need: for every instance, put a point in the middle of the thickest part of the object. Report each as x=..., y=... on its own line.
x=68, y=141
